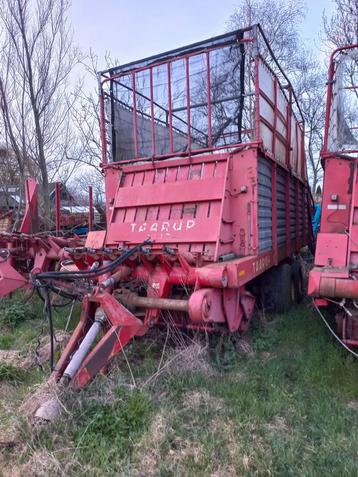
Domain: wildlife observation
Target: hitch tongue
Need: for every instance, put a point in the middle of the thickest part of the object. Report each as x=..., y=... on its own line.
x=85, y=345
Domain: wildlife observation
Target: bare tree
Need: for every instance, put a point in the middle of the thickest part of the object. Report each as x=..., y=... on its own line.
x=281, y=21
x=36, y=61
x=342, y=27
x=310, y=89
x=10, y=173
x=85, y=116
x=87, y=154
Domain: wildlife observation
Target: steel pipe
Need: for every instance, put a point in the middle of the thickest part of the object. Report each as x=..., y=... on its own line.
x=77, y=359
x=130, y=299
x=338, y=287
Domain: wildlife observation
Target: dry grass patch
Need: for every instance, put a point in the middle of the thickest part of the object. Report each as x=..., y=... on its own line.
x=225, y=471
x=193, y=358
x=148, y=449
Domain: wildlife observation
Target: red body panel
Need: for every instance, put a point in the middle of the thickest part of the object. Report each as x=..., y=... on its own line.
x=336, y=261
x=206, y=217
x=206, y=189
x=207, y=205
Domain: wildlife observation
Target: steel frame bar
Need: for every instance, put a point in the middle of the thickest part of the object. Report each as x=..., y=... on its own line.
x=58, y=207
x=208, y=85
x=91, y=211
x=170, y=113
x=135, y=131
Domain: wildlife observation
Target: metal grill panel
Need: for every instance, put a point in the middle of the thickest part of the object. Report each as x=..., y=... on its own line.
x=265, y=204
x=281, y=206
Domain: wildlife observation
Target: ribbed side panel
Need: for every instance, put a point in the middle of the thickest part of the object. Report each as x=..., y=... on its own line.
x=292, y=209
x=300, y=211
x=305, y=210
x=265, y=205
x=281, y=206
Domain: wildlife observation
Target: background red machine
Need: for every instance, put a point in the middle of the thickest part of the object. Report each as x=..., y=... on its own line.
x=334, y=279
x=207, y=200
x=29, y=251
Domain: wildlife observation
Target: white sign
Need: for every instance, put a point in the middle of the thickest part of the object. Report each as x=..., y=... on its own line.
x=166, y=226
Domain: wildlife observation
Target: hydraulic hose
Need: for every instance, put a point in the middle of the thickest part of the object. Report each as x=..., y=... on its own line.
x=90, y=273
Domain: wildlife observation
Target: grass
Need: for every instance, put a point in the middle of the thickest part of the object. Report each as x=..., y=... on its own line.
x=11, y=373
x=288, y=408
x=21, y=322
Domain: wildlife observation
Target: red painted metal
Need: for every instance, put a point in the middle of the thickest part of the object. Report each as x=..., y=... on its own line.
x=152, y=110
x=335, y=273
x=58, y=207
x=24, y=253
x=135, y=130
x=288, y=134
x=187, y=84
x=257, y=97
x=170, y=114
x=275, y=108
x=102, y=117
x=208, y=86
x=10, y=278
x=200, y=214
x=29, y=222
x=91, y=210
x=189, y=222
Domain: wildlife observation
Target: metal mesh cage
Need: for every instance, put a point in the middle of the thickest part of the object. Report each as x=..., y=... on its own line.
x=195, y=98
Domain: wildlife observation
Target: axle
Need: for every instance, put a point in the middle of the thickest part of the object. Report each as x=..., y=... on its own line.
x=132, y=300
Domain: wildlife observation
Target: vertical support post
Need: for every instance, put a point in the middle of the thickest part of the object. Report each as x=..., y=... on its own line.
x=288, y=174
x=275, y=114
x=135, y=132
x=29, y=224
x=303, y=155
x=152, y=110
x=91, y=214
x=351, y=215
x=296, y=214
x=58, y=207
x=257, y=99
x=288, y=214
x=170, y=109
x=113, y=121
x=303, y=214
x=288, y=130
x=297, y=153
x=188, y=101
x=274, y=211
x=208, y=85
x=102, y=120
x=328, y=102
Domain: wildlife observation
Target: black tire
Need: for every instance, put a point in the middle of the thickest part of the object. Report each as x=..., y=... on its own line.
x=298, y=282
x=277, y=292
x=283, y=290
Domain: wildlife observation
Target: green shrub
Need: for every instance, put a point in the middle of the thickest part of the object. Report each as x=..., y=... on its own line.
x=11, y=374
x=14, y=311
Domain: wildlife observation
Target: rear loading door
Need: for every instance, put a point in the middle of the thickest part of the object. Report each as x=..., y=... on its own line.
x=176, y=203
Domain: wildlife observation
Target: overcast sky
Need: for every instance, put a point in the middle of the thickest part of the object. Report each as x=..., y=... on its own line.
x=134, y=29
